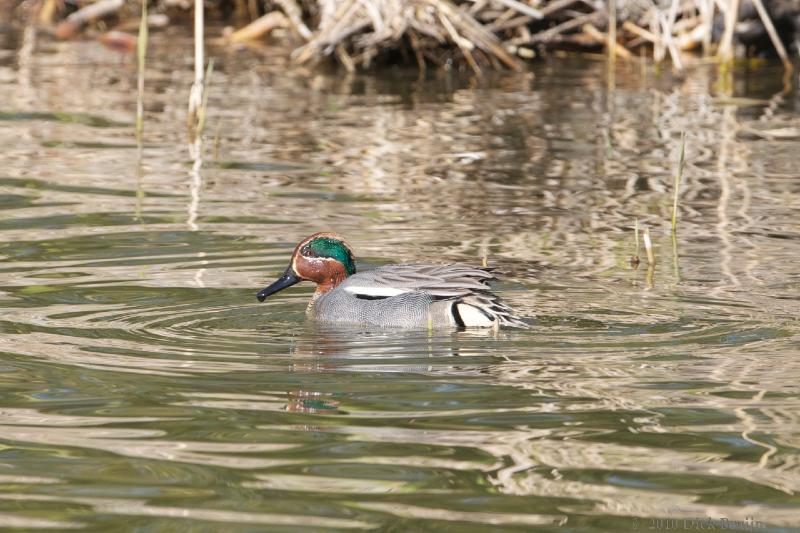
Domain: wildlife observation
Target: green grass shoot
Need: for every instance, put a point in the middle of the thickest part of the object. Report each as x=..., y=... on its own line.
x=678, y=176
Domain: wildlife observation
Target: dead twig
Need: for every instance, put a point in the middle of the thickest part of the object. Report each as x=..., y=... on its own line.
x=577, y=22
x=601, y=37
x=295, y=16
x=260, y=27
x=465, y=46
x=773, y=35
x=73, y=23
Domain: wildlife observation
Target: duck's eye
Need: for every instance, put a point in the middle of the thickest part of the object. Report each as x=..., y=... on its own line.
x=306, y=251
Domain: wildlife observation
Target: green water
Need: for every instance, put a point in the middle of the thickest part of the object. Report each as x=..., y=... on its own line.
x=142, y=387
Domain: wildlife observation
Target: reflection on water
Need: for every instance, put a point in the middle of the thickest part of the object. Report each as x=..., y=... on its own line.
x=143, y=386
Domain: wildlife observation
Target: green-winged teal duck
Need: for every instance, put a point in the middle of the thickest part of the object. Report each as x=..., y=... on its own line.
x=409, y=296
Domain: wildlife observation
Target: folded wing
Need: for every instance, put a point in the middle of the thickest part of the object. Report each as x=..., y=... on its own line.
x=464, y=290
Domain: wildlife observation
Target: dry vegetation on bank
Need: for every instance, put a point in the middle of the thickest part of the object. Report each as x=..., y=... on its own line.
x=482, y=34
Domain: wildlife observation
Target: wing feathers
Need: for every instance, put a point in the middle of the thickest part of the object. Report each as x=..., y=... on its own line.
x=473, y=303
x=437, y=280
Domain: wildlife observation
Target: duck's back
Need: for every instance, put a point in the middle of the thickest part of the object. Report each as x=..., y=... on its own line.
x=416, y=296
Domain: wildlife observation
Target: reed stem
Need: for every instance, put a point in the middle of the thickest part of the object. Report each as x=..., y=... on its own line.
x=612, y=31
x=725, y=50
x=648, y=247
x=678, y=177
x=675, y=270
x=141, y=52
x=634, y=259
x=202, y=112
x=196, y=92
x=773, y=35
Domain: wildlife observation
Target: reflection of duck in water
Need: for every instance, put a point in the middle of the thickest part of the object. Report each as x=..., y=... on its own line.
x=301, y=401
x=341, y=348
x=409, y=296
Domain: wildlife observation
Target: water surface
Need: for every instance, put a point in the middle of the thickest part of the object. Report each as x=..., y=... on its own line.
x=142, y=385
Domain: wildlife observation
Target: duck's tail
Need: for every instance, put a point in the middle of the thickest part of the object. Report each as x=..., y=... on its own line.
x=484, y=309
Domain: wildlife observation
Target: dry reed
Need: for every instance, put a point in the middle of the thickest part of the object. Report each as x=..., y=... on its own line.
x=483, y=34
x=648, y=247
x=141, y=51
x=196, y=92
x=634, y=259
x=503, y=33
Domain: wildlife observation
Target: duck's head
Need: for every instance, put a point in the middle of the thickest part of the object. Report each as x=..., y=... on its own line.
x=324, y=258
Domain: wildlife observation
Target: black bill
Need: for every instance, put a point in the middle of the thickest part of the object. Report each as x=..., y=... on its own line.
x=288, y=279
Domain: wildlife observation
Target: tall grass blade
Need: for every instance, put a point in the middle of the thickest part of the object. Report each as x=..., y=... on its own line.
x=678, y=177
x=141, y=52
x=196, y=92
x=201, y=113
x=648, y=247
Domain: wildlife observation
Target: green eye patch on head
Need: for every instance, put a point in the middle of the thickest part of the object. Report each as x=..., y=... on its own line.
x=333, y=248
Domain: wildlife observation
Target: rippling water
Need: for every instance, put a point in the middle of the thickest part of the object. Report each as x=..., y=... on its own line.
x=143, y=387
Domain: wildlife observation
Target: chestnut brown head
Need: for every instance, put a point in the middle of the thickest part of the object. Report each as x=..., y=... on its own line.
x=324, y=258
